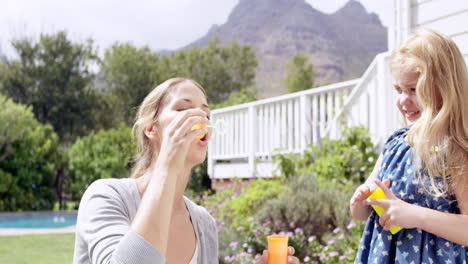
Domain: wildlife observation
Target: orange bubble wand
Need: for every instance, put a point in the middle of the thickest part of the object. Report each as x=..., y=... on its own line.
x=219, y=127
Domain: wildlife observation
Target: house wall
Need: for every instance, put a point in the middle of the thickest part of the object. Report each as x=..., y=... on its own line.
x=449, y=17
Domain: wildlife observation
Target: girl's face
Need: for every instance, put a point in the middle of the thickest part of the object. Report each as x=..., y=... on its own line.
x=183, y=97
x=407, y=101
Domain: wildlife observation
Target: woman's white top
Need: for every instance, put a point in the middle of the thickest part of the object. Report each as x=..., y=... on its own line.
x=195, y=255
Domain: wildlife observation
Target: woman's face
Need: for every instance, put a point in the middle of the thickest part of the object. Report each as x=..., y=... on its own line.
x=183, y=97
x=407, y=101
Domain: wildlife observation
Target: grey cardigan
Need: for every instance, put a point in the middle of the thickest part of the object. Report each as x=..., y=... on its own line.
x=103, y=232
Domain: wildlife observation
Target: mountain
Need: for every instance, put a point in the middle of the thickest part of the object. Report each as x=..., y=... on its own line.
x=339, y=45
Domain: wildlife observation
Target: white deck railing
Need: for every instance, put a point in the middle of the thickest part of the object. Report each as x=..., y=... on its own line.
x=255, y=130
x=371, y=104
x=290, y=123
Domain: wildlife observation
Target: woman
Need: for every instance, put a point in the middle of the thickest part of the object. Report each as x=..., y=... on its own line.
x=146, y=218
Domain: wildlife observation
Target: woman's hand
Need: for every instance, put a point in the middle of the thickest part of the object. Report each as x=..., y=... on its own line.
x=291, y=259
x=178, y=136
x=363, y=191
x=397, y=212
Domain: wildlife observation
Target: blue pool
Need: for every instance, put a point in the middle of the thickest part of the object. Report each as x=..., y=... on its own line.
x=37, y=219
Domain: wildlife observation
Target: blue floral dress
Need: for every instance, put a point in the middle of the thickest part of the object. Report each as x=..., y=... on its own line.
x=408, y=245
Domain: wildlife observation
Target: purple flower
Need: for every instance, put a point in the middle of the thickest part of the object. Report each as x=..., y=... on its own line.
x=250, y=219
x=341, y=237
x=258, y=256
x=233, y=244
x=351, y=224
x=306, y=259
x=336, y=230
x=342, y=257
x=240, y=228
x=298, y=230
x=330, y=242
x=266, y=223
x=311, y=238
x=333, y=253
x=249, y=250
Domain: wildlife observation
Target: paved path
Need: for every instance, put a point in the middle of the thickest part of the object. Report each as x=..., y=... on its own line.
x=28, y=231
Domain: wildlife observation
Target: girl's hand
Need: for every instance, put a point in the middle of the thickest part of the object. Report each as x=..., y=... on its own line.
x=397, y=212
x=291, y=259
x=363, y=191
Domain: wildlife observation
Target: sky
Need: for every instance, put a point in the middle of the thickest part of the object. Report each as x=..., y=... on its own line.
x=159, y=24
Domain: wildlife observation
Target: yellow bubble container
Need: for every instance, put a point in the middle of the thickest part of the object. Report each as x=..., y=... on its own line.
x=379, y=194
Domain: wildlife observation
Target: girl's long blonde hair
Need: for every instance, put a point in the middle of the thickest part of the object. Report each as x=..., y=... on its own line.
x=147, y=115
x=440, y=136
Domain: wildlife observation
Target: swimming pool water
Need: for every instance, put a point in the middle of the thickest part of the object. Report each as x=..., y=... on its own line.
x=37, y=220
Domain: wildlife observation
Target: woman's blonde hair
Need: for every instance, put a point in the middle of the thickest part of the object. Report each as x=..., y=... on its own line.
x=440, y=136
x=147, y=115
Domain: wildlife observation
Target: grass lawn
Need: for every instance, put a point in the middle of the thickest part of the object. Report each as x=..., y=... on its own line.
x=37, y=249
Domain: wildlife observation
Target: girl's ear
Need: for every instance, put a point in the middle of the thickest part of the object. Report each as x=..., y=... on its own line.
x=151, y=132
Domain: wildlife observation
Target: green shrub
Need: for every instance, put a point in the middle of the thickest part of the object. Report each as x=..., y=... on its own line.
x=306, y=204
x=348, y=161
x=251, y=199
x=200, y=180
x=28, y=159
x=246, y=245
x=106, y=154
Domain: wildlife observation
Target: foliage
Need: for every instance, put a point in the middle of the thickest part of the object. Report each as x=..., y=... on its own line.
x=310, y=204
x=338, y=246
x=314, y=217
x=348, y=160
x=106, y=154
x=28, y=159
x=251, y=198
x=245, y=95
x=200, y=180
x=221, y=70
x=129, y=74
x=54, y=76
x=316, y=208
x=300, y=74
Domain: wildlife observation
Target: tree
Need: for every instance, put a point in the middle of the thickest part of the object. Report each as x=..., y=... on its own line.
x=300, y=74
x=28, y=159
x=106, y=154
x=220, y=69
x=129, y=74
x=54, y=76
x=245, y=95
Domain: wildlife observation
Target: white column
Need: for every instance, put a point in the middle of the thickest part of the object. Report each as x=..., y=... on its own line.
x=252, y=139
x=210, y=160
x=306, y=124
